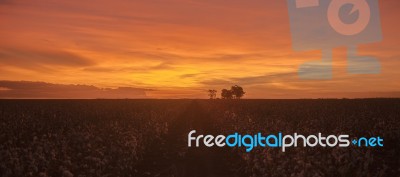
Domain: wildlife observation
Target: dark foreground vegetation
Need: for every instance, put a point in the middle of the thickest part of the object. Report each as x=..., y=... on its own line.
x=149, y=137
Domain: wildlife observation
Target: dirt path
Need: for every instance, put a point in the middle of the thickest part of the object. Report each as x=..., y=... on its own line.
x=174, y=158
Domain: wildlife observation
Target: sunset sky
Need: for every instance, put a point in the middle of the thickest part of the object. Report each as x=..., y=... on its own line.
x=177, y=49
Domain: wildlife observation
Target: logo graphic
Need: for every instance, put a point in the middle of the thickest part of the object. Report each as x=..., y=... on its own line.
x=326, y=24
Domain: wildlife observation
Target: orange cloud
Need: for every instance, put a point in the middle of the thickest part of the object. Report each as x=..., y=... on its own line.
x=23, y=89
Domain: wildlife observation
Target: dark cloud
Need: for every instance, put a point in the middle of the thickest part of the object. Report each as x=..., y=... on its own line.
x=161, y=66
x=235, y=57
x=184, y=76
x=33, y=59
x=253, y=80
x=26, y=89
x=168, y=57
x=286, y=77
x=216, y=82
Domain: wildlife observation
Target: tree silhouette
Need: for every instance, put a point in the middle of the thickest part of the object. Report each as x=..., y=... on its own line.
x=212, y=94
x=226, y=94
x=237, y=91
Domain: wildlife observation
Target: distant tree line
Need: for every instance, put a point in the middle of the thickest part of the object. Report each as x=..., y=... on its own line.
x=236, y=92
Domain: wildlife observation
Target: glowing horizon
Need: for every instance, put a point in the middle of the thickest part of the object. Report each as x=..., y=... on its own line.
x=179, y=48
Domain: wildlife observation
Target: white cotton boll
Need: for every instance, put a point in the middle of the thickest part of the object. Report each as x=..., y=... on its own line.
x=67, y=173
